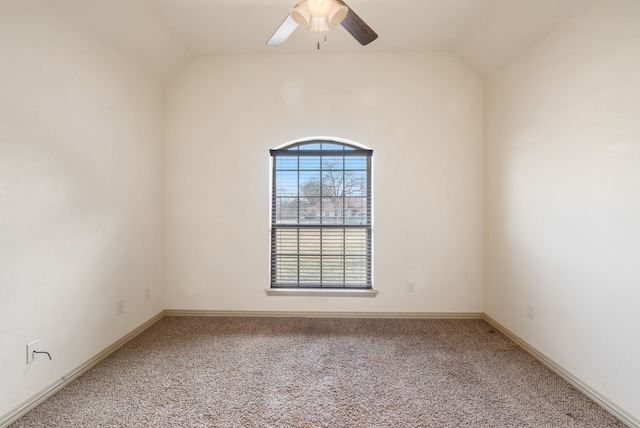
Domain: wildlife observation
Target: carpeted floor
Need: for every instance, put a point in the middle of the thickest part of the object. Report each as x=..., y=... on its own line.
x=303, y=372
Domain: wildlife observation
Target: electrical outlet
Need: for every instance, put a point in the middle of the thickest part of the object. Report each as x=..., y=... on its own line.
x=147, y=293
x=33, y=346
x=120, y=307
x=530, y=311
x=411, y=286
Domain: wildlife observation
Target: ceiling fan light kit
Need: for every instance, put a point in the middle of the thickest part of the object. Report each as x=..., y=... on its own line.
x=320, y=16
x=318, y=19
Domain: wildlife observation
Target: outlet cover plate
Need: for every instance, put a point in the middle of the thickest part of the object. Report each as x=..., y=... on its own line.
x=530, y=312
x=33, y=346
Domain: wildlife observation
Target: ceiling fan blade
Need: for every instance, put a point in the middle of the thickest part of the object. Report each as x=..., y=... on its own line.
x=357, y=27
x=283, y=32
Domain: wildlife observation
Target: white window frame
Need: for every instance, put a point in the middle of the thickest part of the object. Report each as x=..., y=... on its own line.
x=280, y=284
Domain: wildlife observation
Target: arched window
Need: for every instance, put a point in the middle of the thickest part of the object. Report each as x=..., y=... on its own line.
x=321, y=216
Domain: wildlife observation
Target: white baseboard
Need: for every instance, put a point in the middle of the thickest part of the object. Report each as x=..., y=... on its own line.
x=583, y=387
x=47, y=392
x=307, y=314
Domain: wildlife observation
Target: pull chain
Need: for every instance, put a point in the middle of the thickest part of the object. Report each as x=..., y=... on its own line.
x=325, y=41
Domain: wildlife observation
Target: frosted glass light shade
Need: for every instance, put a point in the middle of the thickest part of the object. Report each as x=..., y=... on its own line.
x=337, y=14
x=300, y=14
x=319, y=8
x=318, y=24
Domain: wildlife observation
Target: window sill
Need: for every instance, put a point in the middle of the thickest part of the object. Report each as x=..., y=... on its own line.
x=333, y=292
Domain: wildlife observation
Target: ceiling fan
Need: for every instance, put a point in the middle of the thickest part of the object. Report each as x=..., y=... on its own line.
x=322, y=15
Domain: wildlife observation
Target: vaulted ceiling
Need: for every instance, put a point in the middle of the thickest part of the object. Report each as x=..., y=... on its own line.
x=161, y=35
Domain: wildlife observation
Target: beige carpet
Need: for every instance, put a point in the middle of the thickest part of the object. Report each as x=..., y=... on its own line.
x=301, y=372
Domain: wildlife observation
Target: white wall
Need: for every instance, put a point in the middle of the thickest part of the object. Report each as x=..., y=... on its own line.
x=81, y=187
x=422, y=113
x=80, y=196
x=563, y=198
